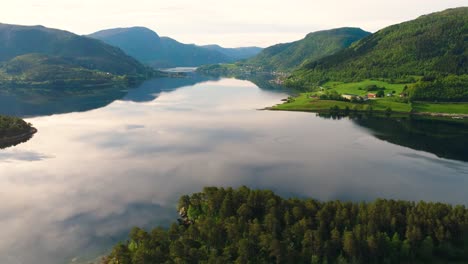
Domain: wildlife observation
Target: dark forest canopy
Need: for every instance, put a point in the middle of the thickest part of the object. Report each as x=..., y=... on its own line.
x=12, y=126
x=256, y=226
x=315, y=45
x=434, y=46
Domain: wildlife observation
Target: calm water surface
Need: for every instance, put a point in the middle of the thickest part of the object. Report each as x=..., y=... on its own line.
x=96, y=169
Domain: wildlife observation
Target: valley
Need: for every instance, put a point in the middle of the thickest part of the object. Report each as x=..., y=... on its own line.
x=289, y=133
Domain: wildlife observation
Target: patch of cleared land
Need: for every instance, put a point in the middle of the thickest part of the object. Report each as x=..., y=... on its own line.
x=310, y=101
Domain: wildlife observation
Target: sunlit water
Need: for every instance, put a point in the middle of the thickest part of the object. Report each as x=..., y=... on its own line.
x=86, y=178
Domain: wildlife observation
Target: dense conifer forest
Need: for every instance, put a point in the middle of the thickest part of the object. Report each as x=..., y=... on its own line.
x=12, y=126
x=256, y=226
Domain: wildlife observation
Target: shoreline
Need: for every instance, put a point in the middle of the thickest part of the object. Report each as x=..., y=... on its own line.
x=324, y=111
x=11, y=141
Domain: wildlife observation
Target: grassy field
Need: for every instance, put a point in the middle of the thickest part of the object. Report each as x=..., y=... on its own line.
x=359, y=88
x=309, y=101
x=304, y=103
x=452, y=108
x=384, y=103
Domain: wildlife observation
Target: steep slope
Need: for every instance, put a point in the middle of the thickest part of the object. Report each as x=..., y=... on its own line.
x=139, y=42
x=314, y=46
x=433, y=45
x=286, y=57
x=43, y=57
x=81, y=51
x=235, y=53
x=145, y=45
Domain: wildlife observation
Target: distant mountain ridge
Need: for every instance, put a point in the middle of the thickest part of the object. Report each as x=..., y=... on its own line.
x=236, y=53
x=164, y=52
x=36, y=54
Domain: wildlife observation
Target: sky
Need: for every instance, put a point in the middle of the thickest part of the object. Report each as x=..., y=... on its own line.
x=225, y=22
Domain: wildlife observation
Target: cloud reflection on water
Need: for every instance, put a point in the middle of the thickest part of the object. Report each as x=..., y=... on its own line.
x=101, y=172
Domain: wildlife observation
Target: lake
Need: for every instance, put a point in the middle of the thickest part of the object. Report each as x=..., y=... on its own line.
x=105, y=161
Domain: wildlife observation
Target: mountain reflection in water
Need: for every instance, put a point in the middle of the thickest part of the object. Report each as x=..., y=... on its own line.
x=86, y=178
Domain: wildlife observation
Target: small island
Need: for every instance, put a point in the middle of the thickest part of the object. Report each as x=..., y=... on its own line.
x=14, y=130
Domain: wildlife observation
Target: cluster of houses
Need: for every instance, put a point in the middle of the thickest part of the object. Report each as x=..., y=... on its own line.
x=366, y=97
x=358, y=97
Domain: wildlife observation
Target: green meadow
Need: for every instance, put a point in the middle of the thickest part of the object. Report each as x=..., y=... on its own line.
x=451, y=108
x=359, y=88
x=310, y=101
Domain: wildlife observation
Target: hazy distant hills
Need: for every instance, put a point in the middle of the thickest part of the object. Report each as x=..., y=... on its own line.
x=163, y=52
x=235, y=53
x=434, y=45
x=314, y=46
x=39, y=55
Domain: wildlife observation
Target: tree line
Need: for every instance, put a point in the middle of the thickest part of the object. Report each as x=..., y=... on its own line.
x=221, y=225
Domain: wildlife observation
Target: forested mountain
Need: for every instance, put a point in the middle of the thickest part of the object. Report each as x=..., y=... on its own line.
x=163, y=52
x=36, y=54
x=253, y=226
x=288, y=56
x=314, y=46
x=434, y=46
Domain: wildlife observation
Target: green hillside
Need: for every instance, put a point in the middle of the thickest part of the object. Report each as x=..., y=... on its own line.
x=314, y=46
x=256, y=226
x=42, y=70
x=38, y=55
x=288, y=56
x=433, y=46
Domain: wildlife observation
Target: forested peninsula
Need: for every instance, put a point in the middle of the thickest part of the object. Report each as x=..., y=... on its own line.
x=14, y=130
x=243, y=225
